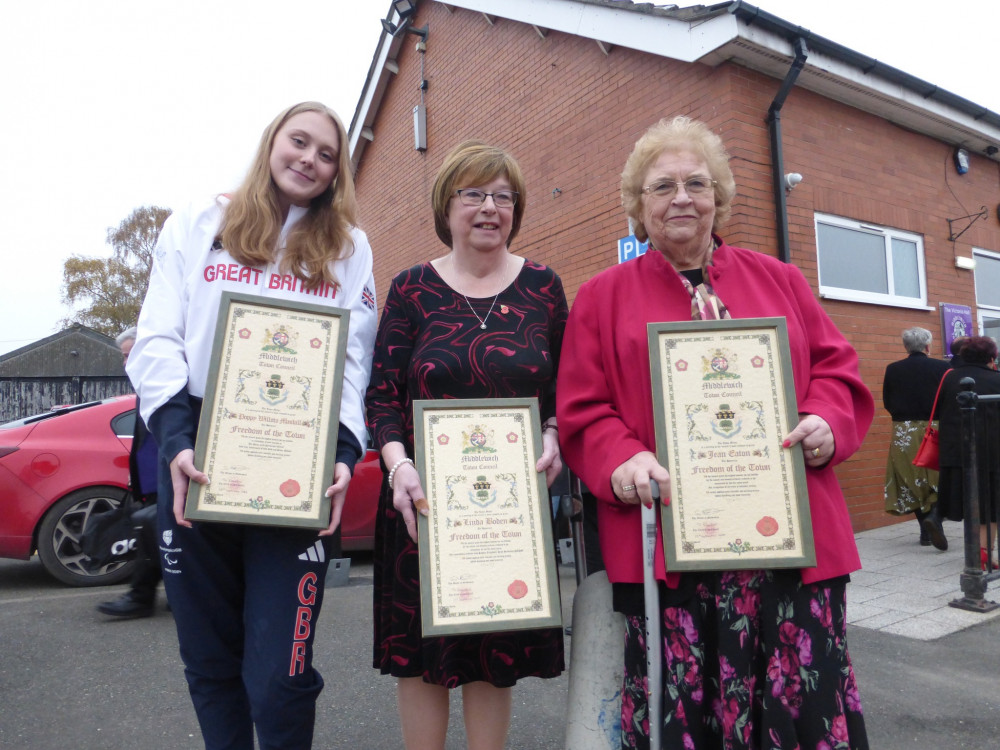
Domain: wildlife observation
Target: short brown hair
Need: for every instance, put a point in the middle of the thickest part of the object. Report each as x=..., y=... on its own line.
x=677, y=135
x=475, y=163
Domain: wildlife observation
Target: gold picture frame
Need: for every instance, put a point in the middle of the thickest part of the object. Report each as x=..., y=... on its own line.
x=487, y=555
x=267, y=436
x=724, y=398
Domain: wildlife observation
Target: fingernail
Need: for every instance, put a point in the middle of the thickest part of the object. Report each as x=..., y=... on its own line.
x=786, y=444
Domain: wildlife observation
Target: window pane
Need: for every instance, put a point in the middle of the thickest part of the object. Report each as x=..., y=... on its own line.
x=850, y=259
x=905, y=277
x=987, y=280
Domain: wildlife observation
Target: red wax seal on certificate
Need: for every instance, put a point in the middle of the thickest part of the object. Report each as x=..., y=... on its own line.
x=290, y=488
x=517, y=589
x=767, y=526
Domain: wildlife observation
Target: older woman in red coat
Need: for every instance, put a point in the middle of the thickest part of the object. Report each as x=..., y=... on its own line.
x=753, y=658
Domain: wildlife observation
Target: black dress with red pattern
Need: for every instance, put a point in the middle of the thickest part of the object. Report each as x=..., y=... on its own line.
x=431, y=345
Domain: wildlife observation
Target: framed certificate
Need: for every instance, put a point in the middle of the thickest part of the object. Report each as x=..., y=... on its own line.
x=268, y=432
x=487, y=557
x=724, y=399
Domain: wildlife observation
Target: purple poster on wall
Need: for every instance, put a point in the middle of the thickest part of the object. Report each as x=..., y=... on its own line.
x=956, y=321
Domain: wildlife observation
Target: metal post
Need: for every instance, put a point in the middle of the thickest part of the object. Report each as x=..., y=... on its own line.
x=989, y=493
x=972, y=579
x=572, y=508
x=651, y=592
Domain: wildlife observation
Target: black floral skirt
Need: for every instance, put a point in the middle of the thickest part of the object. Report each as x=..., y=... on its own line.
x=500, y=659
x=751, y=660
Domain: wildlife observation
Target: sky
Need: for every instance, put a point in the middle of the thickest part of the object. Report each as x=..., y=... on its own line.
x=109, y=105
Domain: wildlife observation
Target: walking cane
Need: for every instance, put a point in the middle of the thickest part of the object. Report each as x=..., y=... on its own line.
x=654, y=665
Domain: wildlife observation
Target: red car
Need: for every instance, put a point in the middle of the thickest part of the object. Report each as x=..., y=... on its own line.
x=59, y=467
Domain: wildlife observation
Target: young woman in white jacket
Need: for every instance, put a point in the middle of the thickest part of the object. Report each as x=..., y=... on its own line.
x=238, y=591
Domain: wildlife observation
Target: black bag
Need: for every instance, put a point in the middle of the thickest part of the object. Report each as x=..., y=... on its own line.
x=111, y=536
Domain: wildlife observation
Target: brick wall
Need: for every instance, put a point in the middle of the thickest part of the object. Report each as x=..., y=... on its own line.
x=571, y=114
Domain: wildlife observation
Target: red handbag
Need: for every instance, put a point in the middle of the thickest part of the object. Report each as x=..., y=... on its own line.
x=929, y=453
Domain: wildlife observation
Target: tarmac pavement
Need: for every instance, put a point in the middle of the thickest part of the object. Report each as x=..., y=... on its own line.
x=70, y=677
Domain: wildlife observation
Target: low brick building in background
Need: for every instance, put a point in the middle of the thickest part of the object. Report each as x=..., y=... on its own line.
x=884, y=224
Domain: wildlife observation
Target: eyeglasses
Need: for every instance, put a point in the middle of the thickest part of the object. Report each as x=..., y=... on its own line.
x=501, y=198
x=668, y=188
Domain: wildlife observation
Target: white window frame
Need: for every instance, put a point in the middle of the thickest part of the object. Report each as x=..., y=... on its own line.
x=984, y=311
x=874, y=298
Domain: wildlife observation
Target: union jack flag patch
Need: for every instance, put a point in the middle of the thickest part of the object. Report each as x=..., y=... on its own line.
x=368, y=297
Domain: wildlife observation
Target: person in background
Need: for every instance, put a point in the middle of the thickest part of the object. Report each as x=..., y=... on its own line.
x=977, y=361
x=247, y=598
x=956, y=351
x=478, y=322
x=931, y=524
x=751, y=658
x=140, y=599
x=908, y=390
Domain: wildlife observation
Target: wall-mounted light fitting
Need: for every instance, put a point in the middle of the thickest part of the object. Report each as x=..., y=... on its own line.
x=792, y=179
x=405, y=9
x=961, y=161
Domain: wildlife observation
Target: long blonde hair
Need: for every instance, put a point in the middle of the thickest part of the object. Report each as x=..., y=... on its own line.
x=252, y=221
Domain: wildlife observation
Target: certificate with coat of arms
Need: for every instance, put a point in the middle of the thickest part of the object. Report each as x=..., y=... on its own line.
x=268, y=432
x=487, y=557
x=724, y=399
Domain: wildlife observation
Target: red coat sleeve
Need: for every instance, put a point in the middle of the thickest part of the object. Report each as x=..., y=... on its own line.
x=594, y=418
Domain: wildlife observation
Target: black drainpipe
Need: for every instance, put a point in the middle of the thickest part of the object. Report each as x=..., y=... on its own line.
x=777, y=160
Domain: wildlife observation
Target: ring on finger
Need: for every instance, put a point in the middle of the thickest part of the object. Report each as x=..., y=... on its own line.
x=628, y=487
x=815, y=452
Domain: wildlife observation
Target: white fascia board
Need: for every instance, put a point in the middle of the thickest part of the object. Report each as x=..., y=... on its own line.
x=634, y=29
x=836, y=79
x=372, y=92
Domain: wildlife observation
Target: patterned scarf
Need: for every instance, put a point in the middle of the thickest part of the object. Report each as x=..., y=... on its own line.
x=705, y=304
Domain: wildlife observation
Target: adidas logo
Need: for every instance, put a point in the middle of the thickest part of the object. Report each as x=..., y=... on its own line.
x=315, y=553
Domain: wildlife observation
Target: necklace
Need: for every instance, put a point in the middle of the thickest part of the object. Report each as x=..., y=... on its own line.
x=482, y=321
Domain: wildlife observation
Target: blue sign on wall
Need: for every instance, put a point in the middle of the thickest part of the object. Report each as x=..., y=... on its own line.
x=629, y=248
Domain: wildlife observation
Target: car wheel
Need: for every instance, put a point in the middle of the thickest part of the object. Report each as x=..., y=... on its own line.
x=59, y=538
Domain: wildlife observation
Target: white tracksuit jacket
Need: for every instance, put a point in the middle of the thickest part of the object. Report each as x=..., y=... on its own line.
x=177, y=322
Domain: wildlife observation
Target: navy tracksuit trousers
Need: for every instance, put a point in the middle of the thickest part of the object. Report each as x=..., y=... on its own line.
x=246, y=600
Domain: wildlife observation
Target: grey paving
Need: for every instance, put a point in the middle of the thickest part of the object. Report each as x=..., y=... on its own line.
x=908, y=590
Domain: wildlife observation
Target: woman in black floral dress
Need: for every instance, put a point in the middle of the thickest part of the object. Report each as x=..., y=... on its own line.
x=478, y=322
